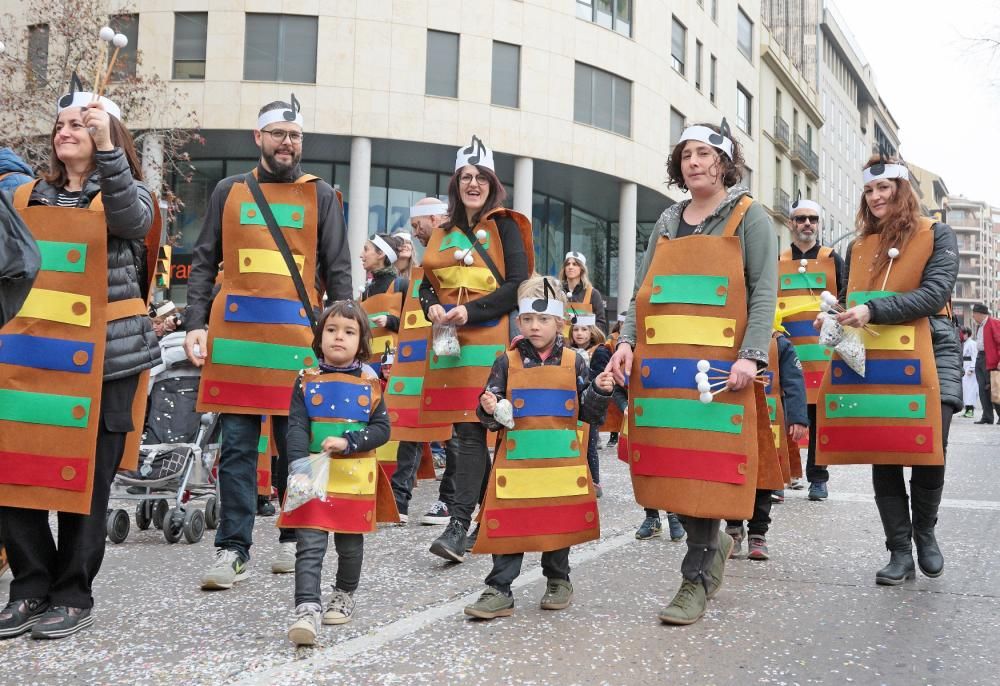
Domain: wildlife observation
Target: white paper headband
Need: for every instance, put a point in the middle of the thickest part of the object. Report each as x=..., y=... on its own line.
x=571, y=255
x=386, y=249
x=805, y=204
x=541, y=306
x=622, y=317
x=404, y=235
x=706, y=135
x=886, y=171
x=585, y=320
x=476, y=154
x=289, y=116
x=82, y=99
x=428, y=210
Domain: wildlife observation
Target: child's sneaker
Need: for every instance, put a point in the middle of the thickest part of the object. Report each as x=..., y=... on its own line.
x=650, y=528
x=558, y=594
x=676, y=528
x=758, y=547
x=777, y=496
x=598, y=490
x=303, y=630
x=491, y=604
x=284, y=561
x=340, y=609
x=438, y=514
x=797, y=484
x=737, y=533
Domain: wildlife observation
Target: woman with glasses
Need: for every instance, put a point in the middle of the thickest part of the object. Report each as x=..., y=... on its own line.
x=473, y=266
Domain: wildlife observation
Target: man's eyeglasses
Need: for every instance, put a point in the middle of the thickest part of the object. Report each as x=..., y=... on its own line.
x=480, y=179
x=279, y=135
x=803, y=218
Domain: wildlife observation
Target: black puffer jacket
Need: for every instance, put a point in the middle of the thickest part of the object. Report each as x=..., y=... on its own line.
x=128, y=209
x=927, y=300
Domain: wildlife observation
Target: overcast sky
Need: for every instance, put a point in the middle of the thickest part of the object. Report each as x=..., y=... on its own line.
x=942, y=89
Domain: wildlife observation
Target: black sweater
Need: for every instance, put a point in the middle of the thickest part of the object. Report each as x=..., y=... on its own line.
x=299, y=432
x=504, y=299
x=333, y=258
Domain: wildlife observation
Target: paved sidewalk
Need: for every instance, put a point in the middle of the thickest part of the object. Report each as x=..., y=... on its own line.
x=810, y=615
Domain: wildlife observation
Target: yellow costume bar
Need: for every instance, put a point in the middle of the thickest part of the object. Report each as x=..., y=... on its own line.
x=473, y=278
x=57, y=306
x=255, y=261
x=542, y=482
x=352, y=476
x=890, y=337
x=675, y=329
x=793, y=304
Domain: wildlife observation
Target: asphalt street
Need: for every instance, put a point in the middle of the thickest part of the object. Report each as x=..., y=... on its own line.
x=812, y=614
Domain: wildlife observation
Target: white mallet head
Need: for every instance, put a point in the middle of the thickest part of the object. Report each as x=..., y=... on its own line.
x=893, y=253
x=107, y=34
x=706, y=398
x=481, y=234
x=704, y=365
x=704, y=387
x=804, y=262
x=120, y=40
x=469, y=260
x=459, y=255
x=700, y=377
x=802, y=270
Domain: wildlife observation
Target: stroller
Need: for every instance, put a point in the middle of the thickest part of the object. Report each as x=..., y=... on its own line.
x=176, y=458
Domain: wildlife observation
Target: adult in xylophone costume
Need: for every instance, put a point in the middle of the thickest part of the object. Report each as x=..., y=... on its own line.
x=900, y=274
x=70, y=364
x=472, y=268
x=805, y=270
x=281, y=236
x=706, y=291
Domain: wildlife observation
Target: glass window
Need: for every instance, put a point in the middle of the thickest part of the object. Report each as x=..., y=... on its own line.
x=406, y=187
x=676, y=126
x=678, y=46
x=442, y=64
x=550, y=243
x=602, y=99
x=585, y=9
x=713, y=68
x=611, y=14
x=715, y=11
x=743, y=109
x=623, y=17
x=506, y=74
x=602, y=13
x=38, y=52
x=744, y=34
x=127, y=24
x=697, y=64
x=190, y=38
x=589, y=235
x=280, y=47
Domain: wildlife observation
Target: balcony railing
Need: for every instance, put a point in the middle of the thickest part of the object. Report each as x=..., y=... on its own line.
x=805, y=157
x=781, y=132
x=782, y=203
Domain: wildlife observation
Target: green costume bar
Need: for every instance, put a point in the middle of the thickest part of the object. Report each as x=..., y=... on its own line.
x=377, y=314
x=813, y=352
x=63, y=257
x=798, y=282
x=862, y=297
x=690, y=289
x=541, y=444
x=457, y=240
x=844, y=405
x=405, y=385
x=471, y=356
x=678, y=413
x=772, y=409
x=323, y=430
x=261, y=355
x=44, y=408
x=262, y=444
x=287, y=216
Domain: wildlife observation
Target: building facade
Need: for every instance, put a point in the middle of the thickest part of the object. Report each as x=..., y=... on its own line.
x=974, y=223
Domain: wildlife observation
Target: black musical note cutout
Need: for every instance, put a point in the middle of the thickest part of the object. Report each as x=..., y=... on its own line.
x=542, y=304
x=725, y=130
x=290, y=115
x=798, y=199
x=75, y=86
x=476, y=149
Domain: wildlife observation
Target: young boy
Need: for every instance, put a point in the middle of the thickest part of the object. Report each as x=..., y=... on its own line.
x=540, y=495
x=790, y=396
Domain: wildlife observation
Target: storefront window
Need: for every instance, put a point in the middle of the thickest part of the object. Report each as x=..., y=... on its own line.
x=589, y=235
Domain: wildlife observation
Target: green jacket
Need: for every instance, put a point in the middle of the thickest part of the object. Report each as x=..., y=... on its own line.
x=760, y=267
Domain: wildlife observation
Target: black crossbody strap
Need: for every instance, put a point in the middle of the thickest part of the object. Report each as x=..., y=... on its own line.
x=485, y=255
x=279, y=240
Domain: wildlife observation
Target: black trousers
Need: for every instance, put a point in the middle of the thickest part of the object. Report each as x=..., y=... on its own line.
x=983, y=378
x=472, y=469
x=506, y=568
x=702, y=542
x=887, y=479
x=407, y=461
x=814, y=473
x=446, y=491
x=309, y=553
x=761, y=518
x=64, y=572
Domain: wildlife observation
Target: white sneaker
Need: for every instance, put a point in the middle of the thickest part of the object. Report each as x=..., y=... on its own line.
x=340, y=608
x=403, y=518
x=438, y=514
x=303, y=630
x=227, y=569
x=284, y=562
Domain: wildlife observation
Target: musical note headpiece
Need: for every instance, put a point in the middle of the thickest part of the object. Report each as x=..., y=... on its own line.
x=573, y=255
x=584, y=319
x=291, y=116
x=547, y=304
x=476, y=154
x=801, y=203
x=720, y=141
x=386, y=249
x=885, y=170
x=77, y=97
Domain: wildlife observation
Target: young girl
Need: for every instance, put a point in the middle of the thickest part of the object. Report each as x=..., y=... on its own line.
x=336, y=409
x=588, y=341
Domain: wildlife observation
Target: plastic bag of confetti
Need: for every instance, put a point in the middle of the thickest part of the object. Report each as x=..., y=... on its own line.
x=445, y=340
x=307, y=480
x=832, y=332
x=852, y=350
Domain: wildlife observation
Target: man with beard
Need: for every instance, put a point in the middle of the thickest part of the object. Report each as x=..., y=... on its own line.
x=259, y=335
x=807, y=269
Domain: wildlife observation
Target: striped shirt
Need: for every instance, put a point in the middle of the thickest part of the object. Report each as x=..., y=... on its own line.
x=67, y=199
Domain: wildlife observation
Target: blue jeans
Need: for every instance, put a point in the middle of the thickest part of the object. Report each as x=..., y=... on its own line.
x=238, y=480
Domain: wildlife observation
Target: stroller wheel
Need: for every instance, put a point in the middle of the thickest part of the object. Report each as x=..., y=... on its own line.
x=212, y=512
x=160, y=509
x=144, y=514
x=194, y=525
x=118, y=526
x=173, y=525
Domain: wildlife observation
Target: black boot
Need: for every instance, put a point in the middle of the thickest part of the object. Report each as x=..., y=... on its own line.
x=925, y=508
x=895, y=514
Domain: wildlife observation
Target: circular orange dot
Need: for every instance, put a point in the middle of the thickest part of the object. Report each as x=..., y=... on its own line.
x=308, y=361
x=371, y=477
x=569, y=404
x=838, y=372
x=427, y=401
x=728, y=332
x=645, y=371
x=67, y=473
x=781, y=305
x=79, y=412
x=251, y=213
x=302, y=312
x=721, y=290
x=914, y=406
x=406, y=351
x=657, y=289
x=492, y=524
x=214, y=391
x=489, y=280
x=589, y=517
x=80, y=358
x=638, y=410
x=511, y=444
x=635, y=456
x=411, y=319
x=827, y=352
x=501, y=481
x=296, y=216
x=921, y=439
x=909, y=370
x=246, y=261
x=741, y=468
x=393, y=416
x=736, y=419
x=650, y=332
x=398, y=386
x=363, y=400
x=833, y=405
x=368, y=516
x=824, y=439
x=787, y=281
x=819, y=280
x=581, y=481
x=574, y=445
x=852, y=303
x=317, y=399
x=233, y=307
x=73, y=256
x=904, y=339
x=79, y=308
x=519, y=403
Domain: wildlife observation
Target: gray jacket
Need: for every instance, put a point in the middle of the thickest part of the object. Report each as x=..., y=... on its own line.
x=760, y=267
x=128, y=211
x=933, y=293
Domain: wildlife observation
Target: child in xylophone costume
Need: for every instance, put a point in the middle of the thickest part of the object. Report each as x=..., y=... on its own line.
x=540, y=496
